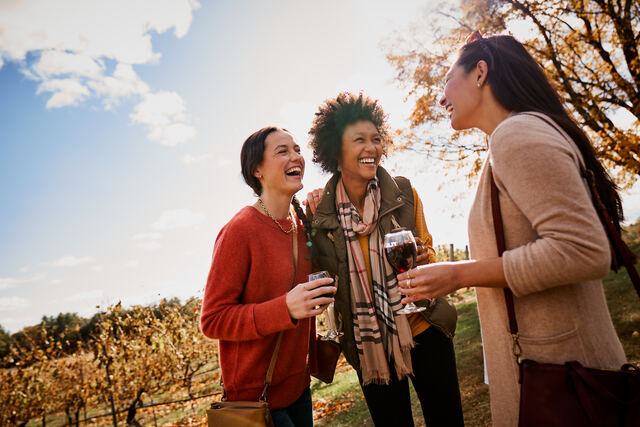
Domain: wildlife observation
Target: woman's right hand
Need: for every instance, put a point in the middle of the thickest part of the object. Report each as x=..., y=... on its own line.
x=305, y=301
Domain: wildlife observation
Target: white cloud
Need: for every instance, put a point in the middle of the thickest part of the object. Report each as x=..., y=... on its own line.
x=56, y=281
x=12, y=282
x=123, y=83
x=189, y=159
x=149, y=245
x=13, y=303
x=23, y=270
x=147, y=236
x=132, y=263
x=71, y=261
x=54, y=62
x=163, y=113
x=65, y=92
x=179, y=218
x=71, y=39
x=117, y=29
x=8, y=282
x=85, y=295
x=223, y=161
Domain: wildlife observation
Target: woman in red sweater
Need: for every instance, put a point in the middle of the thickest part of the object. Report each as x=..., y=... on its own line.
x=252, y=294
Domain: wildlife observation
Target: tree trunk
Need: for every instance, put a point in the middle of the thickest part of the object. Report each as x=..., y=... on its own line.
x=131, y=412
x=113, y=405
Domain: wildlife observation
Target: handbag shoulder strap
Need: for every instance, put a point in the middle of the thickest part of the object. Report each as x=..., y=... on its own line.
x=612, y=234
x=498, y=229
x=274, y=357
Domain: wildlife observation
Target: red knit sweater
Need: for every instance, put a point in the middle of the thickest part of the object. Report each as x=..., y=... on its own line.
x=245, y=307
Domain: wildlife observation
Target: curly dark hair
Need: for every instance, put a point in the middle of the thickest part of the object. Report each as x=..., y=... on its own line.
x=333, y=116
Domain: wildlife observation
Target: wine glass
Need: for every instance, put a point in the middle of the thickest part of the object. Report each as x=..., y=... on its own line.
x=401, y=250
x=329, y=313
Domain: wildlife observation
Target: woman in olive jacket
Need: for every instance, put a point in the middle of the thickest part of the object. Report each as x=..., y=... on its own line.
x=359, y=205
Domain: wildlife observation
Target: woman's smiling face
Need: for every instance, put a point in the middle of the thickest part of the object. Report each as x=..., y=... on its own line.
x=282, y=167
x=361, y=151
x=460, y=98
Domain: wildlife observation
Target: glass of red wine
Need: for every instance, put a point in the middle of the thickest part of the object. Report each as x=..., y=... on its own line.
x=329, y=313
x=401, y=251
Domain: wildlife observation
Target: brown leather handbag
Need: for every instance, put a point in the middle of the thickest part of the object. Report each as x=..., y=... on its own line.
x=570, y=394
x=242, y=413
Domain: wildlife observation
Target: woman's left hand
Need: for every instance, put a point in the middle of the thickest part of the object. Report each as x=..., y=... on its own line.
x=429, y=281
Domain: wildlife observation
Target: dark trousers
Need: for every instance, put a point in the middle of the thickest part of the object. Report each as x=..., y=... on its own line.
x=298, y=414
x=435, y=380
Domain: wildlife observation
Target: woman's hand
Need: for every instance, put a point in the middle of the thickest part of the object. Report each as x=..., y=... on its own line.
x=423, y=252
x=305, y=301
x=429, y=281
x=442, y=278
x=313, y=199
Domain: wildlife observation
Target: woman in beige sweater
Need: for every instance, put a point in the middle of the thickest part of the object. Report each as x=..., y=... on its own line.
x=556, y=248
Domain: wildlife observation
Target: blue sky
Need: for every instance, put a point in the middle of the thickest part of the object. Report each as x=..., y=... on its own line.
x=121, y=128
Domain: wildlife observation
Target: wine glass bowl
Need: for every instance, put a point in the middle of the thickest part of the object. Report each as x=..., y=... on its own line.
x=329, y=314
x=401, y=251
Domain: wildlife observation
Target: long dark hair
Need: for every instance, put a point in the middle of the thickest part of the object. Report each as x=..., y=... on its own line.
x=251, y=155
x=519, y=84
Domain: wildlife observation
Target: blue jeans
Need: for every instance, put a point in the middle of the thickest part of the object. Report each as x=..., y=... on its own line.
x=298, y=414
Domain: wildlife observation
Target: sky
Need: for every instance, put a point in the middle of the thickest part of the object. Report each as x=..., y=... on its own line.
x=121, y=124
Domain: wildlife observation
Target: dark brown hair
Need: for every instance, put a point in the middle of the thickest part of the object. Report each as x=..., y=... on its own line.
x=519, y=84
x=251, y=155
x=333, y=116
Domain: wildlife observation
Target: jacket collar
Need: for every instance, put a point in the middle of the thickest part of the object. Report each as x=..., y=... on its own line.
x=390, y=199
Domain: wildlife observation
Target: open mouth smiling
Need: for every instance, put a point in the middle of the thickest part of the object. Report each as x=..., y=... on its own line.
x=367, y=161
x=294, y=171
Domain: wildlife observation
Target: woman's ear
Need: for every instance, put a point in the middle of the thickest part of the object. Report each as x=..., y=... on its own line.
x=257, y=174
x=482, y=70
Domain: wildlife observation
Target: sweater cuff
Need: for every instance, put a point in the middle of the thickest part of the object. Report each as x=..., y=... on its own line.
x=273, y=316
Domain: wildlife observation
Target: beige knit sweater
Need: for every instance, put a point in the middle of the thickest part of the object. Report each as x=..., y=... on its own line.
x=557, y=252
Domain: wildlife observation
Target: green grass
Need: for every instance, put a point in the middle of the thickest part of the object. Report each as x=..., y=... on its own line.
x=624, y=307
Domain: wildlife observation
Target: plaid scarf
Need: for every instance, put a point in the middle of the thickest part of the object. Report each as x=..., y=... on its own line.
x=381, y=335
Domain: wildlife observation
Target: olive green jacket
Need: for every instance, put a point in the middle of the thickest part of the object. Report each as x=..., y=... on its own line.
x=329, y=252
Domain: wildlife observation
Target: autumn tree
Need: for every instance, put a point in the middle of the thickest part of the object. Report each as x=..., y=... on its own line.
x=5, y=338
x=588, y=49
x=631, y=235
x=134, y=355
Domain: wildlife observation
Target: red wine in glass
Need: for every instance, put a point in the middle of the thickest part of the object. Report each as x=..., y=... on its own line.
x=401, y=251
x=321, y=275
x=402, y=257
